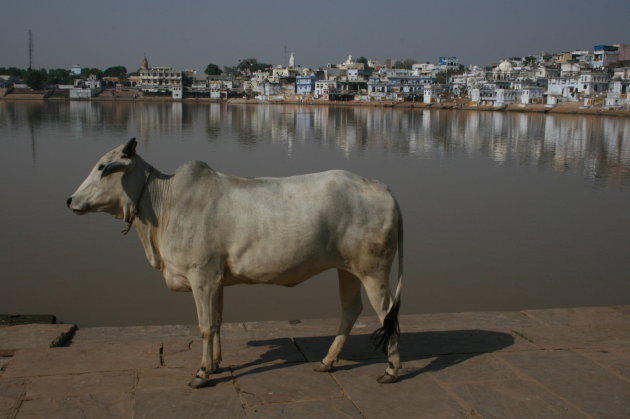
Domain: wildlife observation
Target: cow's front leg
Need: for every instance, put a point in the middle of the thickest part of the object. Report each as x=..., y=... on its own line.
x=207, y=293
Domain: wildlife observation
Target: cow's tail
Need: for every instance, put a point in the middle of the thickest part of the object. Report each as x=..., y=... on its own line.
x=380, y=338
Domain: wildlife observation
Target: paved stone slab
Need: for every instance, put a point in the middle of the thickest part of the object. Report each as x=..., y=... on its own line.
x=513, y=399
x=4, y=361
x=88, y=358
x=61, y=386
x=92, y=335
x=577, y=327
x=576, y=379
x=216, y=402
x=613, y=360
x=33, y=336
x=284, y=383
x=418, y=345
x=466, y=368
x=329, y=409
x=503, y=321
x=11, y=392
x=234, y=352
x=357, y=347
x=101, y=405
x=177, y=378
x=305, y=328
x=416, y=395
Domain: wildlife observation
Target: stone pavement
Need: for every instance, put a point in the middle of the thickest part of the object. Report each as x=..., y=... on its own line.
x=570, y=363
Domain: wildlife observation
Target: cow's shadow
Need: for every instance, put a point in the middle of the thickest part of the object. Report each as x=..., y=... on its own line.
x=444, y=348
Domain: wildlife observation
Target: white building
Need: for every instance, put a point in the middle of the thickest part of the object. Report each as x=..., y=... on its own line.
x=323, y=88
x=531, y=95
x=160, y=79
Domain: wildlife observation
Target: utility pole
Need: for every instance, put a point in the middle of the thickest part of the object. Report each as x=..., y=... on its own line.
x=30, y=49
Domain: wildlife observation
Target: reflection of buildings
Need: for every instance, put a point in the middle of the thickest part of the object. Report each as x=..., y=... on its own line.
x=598, y=147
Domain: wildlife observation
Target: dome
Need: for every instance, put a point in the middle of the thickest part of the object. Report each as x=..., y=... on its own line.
x=505, y=67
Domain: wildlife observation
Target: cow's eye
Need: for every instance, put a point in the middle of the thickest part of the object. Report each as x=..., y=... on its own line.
x=101, y=166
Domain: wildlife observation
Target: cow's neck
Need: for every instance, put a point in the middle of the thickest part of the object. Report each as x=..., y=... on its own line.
x=151, y=214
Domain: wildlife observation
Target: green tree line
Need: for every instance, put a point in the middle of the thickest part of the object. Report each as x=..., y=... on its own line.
x=42, y=78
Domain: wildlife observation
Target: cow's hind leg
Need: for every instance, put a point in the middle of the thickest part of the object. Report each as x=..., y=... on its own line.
x=351, y=306
x=216, y=342
x=377, y=290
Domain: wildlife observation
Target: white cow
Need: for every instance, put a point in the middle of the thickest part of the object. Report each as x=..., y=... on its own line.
x=205, y=230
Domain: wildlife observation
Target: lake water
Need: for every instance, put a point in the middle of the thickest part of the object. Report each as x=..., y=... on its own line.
x=503, y=211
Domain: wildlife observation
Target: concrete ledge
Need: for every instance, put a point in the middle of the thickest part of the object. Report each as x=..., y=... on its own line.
x=535, y=363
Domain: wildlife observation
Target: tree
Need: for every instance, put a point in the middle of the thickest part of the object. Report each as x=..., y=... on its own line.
x=13, y=71
x=230, y=71
x=86, y=72
x=530, y=61
x=213, y=70
x=117, y=71
x=251, y=65
x=35, y=79
x=406, y=63
x=59, y=76
x=442, y=77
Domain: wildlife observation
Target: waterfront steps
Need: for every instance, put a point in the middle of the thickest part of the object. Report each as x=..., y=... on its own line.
x=535, y=363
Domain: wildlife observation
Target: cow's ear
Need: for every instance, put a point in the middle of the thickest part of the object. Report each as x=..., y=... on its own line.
x=130, y=148
x=114, y=167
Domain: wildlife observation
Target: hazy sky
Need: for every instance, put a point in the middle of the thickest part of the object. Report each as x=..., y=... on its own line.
x=192, y=33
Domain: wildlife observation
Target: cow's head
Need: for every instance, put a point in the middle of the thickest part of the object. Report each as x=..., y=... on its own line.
x=111, y=185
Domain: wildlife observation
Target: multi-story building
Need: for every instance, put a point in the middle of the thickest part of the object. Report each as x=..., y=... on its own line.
x=324, y=88
x=305, y=85
x=160, y=80
x=604, y=55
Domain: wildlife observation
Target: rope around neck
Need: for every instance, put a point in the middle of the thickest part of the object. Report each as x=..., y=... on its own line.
x=129, y=222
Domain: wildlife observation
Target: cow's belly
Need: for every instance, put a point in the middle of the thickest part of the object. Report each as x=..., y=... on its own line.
x=269, y=274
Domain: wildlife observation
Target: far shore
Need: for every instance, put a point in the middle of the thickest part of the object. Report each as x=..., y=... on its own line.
x=570, y=108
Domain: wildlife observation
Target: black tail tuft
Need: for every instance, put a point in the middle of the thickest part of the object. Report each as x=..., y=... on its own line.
x=380, y=338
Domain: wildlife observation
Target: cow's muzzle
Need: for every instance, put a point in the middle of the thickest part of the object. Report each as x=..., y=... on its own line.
x=79, y=211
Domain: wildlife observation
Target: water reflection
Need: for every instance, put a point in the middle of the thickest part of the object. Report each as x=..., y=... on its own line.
x=483, y=230
x=598, y=147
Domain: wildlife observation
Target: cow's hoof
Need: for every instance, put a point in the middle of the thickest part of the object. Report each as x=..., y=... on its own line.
x=199, y=382
x=387, y=379
x=323, y=368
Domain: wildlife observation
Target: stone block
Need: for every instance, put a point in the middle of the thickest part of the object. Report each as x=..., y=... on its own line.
x=329, y=409
x=575, y=328
x=177, y=378
x=100, y=405
x=216, y=402
x=34, y=336
x=493, y=320
x=234, y=352
x=131, y=334
x=466, y=368
x=82, y=359
x=414, y=396
x=11, y=394
x=513, y=399
x=576, y=379
x=612, y=360
x=67, y=385
x=284, y=383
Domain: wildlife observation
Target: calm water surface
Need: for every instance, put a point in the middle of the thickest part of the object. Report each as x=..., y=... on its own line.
x=502, y=211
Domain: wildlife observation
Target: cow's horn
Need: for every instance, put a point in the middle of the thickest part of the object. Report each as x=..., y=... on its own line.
x=130, y=148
